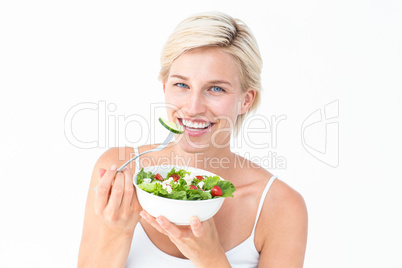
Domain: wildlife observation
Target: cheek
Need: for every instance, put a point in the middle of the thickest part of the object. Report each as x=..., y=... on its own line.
x=170, y=97
x=167, y=98
x=227, y=108
x=173, y=103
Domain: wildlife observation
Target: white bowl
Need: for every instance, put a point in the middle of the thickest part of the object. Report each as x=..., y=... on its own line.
x=177, y=211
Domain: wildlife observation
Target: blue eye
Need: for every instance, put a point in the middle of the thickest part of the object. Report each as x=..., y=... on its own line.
x=182, y=85
x=217, y=89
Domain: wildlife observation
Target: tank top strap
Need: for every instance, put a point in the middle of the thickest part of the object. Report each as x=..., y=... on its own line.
x=137, y=161
x=264, y=194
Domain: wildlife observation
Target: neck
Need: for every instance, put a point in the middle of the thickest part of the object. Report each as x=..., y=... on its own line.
x=209, y=158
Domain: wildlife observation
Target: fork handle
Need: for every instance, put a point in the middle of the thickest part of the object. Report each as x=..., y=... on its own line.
x=135, y=157
x=160, y=147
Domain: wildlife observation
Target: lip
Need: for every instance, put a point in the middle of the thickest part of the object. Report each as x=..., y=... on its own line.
x=196, y=133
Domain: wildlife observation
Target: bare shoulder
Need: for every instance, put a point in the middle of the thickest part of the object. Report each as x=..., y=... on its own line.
x=283, y=206
x=282, y=197
x=116, y=155
x=282, y=227
x=281, y=230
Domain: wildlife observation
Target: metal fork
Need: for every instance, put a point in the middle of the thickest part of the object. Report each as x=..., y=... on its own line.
x=159, y=148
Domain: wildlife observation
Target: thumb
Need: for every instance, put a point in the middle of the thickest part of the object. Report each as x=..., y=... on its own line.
x=196, y=227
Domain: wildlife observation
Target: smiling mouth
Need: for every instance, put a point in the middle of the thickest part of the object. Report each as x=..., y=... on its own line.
x=195, y=125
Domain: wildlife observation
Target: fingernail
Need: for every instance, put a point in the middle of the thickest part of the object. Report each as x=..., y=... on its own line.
x=194, y=221
x=159, y=221
x=142, y=214
x=124, y=169
x=101, y=173
x=113, y=167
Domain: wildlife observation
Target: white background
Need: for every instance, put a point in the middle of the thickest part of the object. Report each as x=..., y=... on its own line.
x=55, y=55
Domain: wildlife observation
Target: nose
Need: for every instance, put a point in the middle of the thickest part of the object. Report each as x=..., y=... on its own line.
x=195, y=104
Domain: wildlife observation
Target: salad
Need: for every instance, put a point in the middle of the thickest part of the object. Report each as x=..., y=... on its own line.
x=182, y=185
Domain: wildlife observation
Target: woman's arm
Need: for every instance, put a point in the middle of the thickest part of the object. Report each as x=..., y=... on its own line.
x=111, y=214
x=283, y=229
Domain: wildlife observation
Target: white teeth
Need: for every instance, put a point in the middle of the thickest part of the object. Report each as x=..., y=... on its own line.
x=189, y=123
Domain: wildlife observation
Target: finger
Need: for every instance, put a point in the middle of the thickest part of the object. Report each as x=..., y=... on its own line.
x=171, y=229
x=196, y=227
x=152, y=221
x=103, y=189
x=116, y=195
x=107, y=178
x=128, y=188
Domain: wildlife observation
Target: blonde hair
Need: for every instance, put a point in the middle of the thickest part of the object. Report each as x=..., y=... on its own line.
x=215, y=29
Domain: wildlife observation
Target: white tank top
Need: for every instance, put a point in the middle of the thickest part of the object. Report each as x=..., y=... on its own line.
x=145, y=254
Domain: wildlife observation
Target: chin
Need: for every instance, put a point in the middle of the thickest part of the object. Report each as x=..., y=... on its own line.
x=194, y=147
x=191, y=145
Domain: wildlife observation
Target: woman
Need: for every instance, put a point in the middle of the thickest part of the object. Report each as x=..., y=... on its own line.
x=211, y=79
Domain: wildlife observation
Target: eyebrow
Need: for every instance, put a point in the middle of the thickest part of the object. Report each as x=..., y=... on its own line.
x=211, y=81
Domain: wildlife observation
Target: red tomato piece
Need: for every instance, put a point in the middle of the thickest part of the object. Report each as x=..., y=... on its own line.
x=200, y=178
x=193, y=187
x=175, y=177
x=216, y=191
x=158, y=177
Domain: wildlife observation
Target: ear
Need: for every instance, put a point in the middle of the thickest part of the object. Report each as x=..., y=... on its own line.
x=247, y=101
x=163, y=87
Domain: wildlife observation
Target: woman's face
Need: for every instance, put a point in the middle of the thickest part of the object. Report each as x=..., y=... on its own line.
x=204, y=93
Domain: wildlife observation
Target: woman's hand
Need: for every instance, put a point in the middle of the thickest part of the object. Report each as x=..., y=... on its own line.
x=199, y=242
x=116, y=200
x=111, y=214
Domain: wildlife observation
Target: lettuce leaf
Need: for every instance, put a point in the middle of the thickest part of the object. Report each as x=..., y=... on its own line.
x=210, y=182
x=227, y=188
x=198, y=195
x=180, y=172
x=180, y=189
x=179, y=195
x=144, y=175
x=154, y=188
